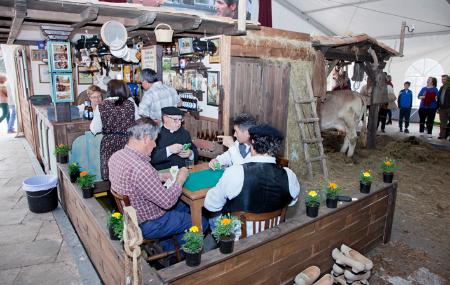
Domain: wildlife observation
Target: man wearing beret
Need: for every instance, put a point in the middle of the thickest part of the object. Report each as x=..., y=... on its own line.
x=258, y=185
x=169, y=149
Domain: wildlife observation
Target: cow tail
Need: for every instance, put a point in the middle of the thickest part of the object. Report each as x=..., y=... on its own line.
x=363, y=134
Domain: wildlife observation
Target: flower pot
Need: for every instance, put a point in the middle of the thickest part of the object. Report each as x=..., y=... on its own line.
x=62, y=158
x=74, y=176
x=312, y=211
x=193, y=259
x=364, y=188
x=388, y=177
x=88, y=192
x=226, y=244
x=332, y=203
x=112, y=235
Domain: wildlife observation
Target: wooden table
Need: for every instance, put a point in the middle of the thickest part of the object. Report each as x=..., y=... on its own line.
x=196, y=199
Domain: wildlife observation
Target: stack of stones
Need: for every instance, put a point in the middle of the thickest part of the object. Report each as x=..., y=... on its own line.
x=350, y=267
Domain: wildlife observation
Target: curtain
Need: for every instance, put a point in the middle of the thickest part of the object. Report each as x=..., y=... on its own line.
x=265, y=13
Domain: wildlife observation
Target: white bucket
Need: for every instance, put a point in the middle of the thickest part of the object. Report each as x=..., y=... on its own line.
x=163, y=36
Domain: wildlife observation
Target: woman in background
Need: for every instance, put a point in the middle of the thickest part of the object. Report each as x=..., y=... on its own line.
x=428, y=105
x=113, y=117
x=94, y=95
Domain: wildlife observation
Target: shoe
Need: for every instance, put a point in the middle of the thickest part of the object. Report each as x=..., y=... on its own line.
x=351, y=277
x=307, y=276
x=355, y=255
x=342, y=259
x=325, y=280
x=441, y=138
x=401, y=130
x=389, y=123
x=429, y=136
x=406, y=131
x=383, y=131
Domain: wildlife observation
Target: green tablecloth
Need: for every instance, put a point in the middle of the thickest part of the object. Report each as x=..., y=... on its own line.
x=202, y=179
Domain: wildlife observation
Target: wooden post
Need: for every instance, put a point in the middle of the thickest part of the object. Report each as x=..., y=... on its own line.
x=402, y=38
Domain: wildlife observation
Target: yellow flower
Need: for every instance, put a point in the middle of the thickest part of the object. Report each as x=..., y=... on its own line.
x=225, y=221
x=312, y=193
x=388, y=163
x=116, y=215
x=332, y=185
x=61, y=145
x=194, y=229
x=366, y=174
x=83, y=173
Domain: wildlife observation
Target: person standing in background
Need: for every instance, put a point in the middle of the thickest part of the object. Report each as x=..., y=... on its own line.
x=444, y=107
x=405, y=105
x=428, y=105
x=4, y=99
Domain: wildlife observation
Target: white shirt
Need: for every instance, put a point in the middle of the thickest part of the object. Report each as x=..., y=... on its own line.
x=233, y=156
x=232, y=181
x=96, y=125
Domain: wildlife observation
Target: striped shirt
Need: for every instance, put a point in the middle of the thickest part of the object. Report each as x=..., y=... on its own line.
x=156, y=98
x=131, y=174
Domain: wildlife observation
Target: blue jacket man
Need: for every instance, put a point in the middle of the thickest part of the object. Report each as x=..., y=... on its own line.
x=405, y=104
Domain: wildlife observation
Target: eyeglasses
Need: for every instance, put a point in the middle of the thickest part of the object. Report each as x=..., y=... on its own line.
x=176, y=119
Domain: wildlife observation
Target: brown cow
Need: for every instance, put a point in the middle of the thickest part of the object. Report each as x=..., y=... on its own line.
x=342, y=110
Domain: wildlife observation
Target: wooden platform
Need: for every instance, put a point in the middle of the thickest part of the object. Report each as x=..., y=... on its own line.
x=271, y=257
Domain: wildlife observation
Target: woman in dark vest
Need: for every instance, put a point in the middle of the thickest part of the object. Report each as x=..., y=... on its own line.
x=113, y=117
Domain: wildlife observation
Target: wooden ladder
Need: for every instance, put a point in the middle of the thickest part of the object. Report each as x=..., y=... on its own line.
x=314, y=138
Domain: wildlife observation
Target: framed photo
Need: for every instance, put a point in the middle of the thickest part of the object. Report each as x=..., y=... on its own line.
x=185, y=45
x=84, y=76
x=149, y=58
x=60, y=60
x=62, y=89
x=38, y=55
x=215, y=57
x=44, y=75
x=166, y=63
x=213, y=88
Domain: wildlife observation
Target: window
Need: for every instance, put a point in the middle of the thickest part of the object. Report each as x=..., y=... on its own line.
x=418, y=73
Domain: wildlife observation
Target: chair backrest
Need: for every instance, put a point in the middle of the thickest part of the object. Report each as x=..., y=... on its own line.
x=261, y=221
x=121, y=200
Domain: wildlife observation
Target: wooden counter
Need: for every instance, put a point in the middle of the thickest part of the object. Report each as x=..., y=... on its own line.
x=51, y=133
x=274, y=256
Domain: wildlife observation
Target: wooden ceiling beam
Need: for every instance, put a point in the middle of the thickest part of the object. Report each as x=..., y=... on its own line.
x=20, y=12
x=88, y=15
x=144, y=20
x=62, y=17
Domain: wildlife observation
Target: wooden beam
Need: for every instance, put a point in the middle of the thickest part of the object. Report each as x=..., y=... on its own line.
x=354, y=4
x=20, y=12
x=88, y=15
x=143, y=20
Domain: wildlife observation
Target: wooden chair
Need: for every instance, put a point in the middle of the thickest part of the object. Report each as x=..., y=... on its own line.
x=124, y=201
x=261, y=221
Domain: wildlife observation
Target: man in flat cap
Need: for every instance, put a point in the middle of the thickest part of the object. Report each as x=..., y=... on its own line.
x=174, y=144
x=258, y=185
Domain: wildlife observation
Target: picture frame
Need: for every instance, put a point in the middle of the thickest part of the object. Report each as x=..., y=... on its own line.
x=185, y=45
x=213, y=88
x=38, y=55
x=85, y=77
x=215, y=57
x=62, y=87
x=59, y=57
x=166, y=63
x=149, y=58
x=44, y=74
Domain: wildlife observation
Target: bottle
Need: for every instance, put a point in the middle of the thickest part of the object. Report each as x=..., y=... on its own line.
x=87, y=104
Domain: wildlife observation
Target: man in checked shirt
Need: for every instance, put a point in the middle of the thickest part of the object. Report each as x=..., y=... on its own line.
x=160, y=213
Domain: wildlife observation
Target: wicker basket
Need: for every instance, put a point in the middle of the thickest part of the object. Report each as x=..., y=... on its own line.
x=163, y=35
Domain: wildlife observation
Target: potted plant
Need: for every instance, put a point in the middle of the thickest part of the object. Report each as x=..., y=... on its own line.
x=365, y=181
x=115, y=226
x=224, y=232
x=74, y=171
x=388, y=166
x=332, y=190
x=312, y=200
x=62, y=153
x=193, y=245
x=86, y=182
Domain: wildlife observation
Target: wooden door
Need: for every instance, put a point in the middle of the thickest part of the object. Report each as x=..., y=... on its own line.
x=260, y=87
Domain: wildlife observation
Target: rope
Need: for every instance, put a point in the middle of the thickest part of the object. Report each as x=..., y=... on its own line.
x=132, y=237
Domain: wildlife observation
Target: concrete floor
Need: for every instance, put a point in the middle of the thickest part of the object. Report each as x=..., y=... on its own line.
x=34, y=248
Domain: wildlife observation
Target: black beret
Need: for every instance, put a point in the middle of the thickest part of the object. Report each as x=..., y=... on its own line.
x=174, y=111
x=265, y=131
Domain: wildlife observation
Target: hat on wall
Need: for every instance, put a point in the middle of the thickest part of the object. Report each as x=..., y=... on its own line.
x=173, y=111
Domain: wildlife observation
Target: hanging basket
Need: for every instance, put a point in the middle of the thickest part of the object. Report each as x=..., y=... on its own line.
x=163, y=35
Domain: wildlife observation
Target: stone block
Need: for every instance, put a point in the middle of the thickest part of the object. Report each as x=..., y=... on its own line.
x=28, y=253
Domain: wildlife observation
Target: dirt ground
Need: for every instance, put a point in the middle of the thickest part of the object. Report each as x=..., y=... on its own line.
x=419, y=250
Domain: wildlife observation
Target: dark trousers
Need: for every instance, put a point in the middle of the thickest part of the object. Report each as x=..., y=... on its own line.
x=382, y=115
x=389, y=116
x=5, y=112
x=444, y=117
x=405, y=113
x=173, y=222
x=426, y=115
